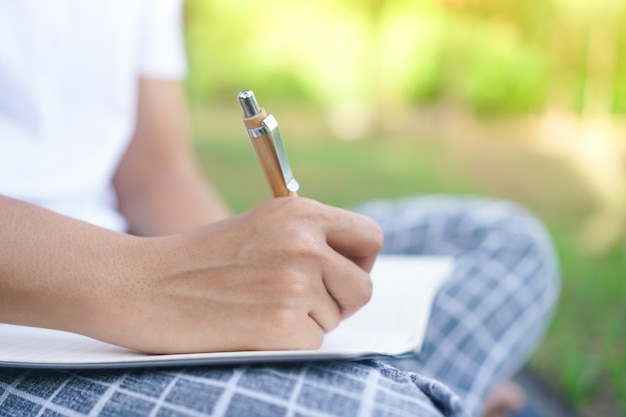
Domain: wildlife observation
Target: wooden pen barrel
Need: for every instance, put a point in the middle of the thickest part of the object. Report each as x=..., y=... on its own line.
x=266, y=154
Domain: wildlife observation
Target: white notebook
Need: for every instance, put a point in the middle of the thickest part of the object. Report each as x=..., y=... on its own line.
x=393, y=323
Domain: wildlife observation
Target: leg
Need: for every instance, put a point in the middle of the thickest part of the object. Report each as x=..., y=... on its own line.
x=310, y=389
x=492, y=313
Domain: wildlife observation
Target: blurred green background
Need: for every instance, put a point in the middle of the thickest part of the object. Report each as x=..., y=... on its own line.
x=518, y=99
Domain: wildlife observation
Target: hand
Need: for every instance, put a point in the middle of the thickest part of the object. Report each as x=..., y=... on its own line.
x=277, y=277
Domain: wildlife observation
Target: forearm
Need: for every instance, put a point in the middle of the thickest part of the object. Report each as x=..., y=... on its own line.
x=160, y=187
x=54, y=270
x=171, y=200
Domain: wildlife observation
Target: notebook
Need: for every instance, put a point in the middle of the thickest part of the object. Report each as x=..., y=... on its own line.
x=393, y=323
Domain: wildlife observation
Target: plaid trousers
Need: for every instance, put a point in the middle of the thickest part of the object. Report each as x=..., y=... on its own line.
x=484, y=324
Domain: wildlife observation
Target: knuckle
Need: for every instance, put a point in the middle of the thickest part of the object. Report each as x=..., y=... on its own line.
x=294, y=287
x=374, y=235
x=301, y=208
x=284, y=319
x=378, y=237
x=300, y=243
x=368, y=289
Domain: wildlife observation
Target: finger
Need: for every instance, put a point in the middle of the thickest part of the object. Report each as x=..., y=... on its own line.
x=354, y=236
x=325, y=310
x=347, y=283
x=295, y=295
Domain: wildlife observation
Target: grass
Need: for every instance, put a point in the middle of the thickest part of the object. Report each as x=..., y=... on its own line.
x=584, y=354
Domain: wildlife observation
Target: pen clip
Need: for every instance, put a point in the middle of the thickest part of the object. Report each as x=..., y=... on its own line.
x=269, y=126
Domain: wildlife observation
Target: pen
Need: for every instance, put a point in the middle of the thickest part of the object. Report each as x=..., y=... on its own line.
x=268, y=146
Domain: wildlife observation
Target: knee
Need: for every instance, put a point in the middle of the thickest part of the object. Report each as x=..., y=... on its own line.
x=521, y=242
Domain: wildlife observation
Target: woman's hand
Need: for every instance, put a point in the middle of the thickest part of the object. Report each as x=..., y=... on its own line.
x=277, y=277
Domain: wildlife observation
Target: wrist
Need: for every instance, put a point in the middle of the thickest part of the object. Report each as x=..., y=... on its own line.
x=120, y=289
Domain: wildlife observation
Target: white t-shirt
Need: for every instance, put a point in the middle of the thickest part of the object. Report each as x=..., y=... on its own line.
x=68, y=78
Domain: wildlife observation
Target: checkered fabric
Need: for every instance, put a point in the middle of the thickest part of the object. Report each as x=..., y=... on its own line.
x=309, y=389
x=492, y=314
x=485, y=322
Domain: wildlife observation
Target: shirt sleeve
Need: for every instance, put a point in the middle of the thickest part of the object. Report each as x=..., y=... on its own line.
x=162, y=46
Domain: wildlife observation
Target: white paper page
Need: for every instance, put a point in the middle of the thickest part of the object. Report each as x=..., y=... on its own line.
x=393, y=322
x=395, y=319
